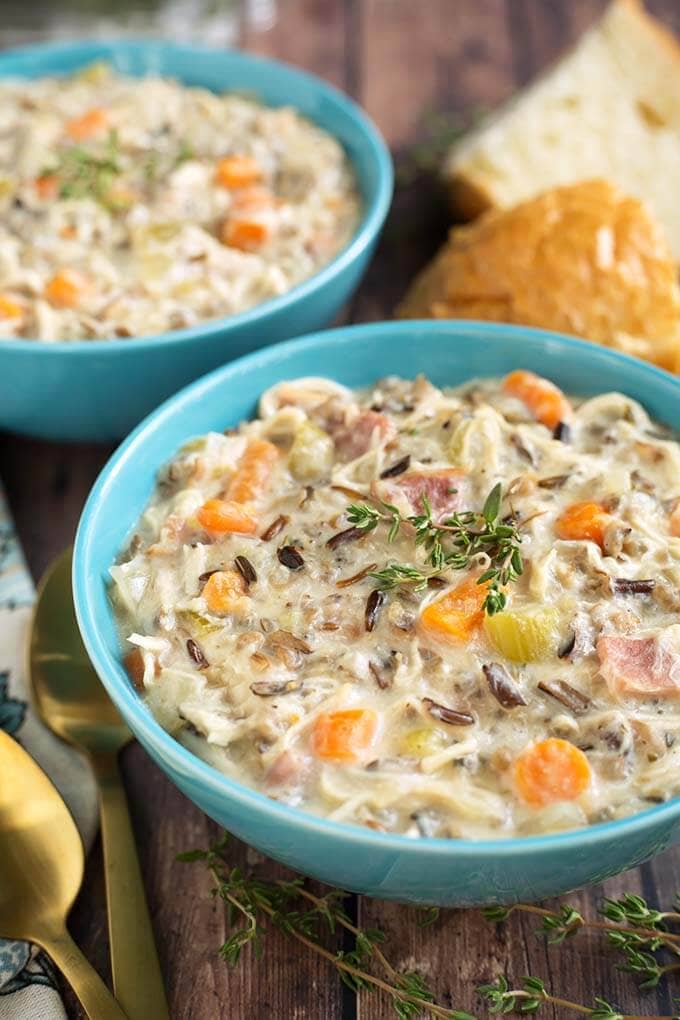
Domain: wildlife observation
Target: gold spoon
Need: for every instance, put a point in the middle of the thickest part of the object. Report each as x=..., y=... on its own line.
x=75, y=705
x=42, y=868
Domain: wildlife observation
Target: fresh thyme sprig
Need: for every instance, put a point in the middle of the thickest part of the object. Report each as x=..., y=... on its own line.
x=252, y=903
x=630, y=926
x=84, y=174
x=451, y=543
x=533, y=995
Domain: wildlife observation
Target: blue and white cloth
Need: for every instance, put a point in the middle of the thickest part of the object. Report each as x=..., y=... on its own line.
x=28, y=989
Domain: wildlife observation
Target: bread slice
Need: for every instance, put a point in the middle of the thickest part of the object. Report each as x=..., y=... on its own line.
x=585, y=259
x=610, y=108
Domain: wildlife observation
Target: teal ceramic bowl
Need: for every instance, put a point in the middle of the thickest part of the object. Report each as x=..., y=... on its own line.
x=87, y=390
x=446, y=872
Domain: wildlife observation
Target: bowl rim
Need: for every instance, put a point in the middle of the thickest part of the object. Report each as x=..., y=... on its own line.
x=373, y=214
x=195, y=768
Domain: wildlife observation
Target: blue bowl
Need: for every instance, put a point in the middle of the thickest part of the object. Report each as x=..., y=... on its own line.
x=97, y=390
x=446, y=872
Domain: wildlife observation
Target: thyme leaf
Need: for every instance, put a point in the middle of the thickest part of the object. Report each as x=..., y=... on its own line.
x=449, y=544
x=83, y=173
x=254, y=906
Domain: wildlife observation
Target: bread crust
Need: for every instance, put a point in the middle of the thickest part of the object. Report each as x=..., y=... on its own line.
x=634, y=40
x=584, y=259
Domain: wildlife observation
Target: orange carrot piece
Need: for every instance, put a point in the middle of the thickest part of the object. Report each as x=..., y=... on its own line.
x=456, y=616
x=47, y=186
x=254, y=471
x=549, y=771
x=246, y=235
x=91, y=123
x=223, y=590
x=66, y=288
x=674, y=520
x=546, y=402
x=238, y=171
x=344, y=736
x=583, y=522
x=223, y=517
x=9, y=308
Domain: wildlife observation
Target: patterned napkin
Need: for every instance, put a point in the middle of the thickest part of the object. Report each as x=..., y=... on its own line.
x=27, y=980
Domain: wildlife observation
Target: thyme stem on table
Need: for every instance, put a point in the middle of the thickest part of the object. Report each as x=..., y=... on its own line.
x=629, y=925
x=451, y=543
x=250, y=898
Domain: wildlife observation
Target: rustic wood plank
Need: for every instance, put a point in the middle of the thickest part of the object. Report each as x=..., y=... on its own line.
x=417, y=57
x=309, y=33
x=47, y=484
x=462, y=950
x=463, y=62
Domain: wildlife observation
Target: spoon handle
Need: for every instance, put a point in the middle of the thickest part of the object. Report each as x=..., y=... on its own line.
x=93, y=994
x=137, y=979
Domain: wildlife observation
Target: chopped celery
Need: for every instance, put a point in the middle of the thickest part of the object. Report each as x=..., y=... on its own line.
x=197, y=622
x=421, y=742
x=311, y=455
x=525, y=635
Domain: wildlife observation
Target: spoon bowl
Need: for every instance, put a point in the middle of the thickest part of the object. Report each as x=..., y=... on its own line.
x=41, y=874
x=68, y=693
x=42, y=863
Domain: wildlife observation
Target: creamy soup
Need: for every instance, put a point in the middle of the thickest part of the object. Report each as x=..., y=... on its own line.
x=132, y=207
x=433, y=612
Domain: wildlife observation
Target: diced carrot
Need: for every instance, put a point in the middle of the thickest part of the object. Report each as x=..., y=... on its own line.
x=224, y=517
x=66, y=288
x=223, y=590
x=456, y=616
x=551, y=770
x=47, y=186
x=238, y=171
x=583, y=522
x=645, y=667
x=9, y=308
x=88, y=124
x=134, y=664
x=674, y=520
x=344, y=736
x=254, y=471
x=546, y=402
x=246, y=235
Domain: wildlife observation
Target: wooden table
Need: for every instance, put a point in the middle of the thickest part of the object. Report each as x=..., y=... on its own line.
x=404, y=61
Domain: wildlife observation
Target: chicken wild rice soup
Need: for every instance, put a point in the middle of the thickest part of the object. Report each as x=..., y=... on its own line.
x=133, y=207
x=434, y=612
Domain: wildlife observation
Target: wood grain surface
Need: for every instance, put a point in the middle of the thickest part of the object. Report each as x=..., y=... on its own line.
x=408, y=63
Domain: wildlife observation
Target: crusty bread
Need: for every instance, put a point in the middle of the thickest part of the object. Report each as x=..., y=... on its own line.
x=610, y=108
x=585, y=259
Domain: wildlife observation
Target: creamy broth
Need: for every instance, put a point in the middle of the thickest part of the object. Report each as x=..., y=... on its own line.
x=133, y=207
x=260, y=627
